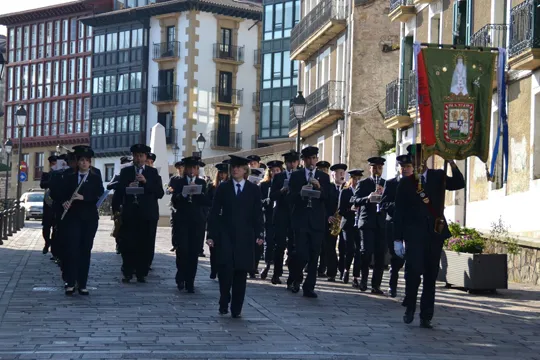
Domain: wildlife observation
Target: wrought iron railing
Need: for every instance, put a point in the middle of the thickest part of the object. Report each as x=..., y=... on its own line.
x=228, y=96
x=256, y=99
x=397, y=102
x=165, y=93
x=524, y=27
x=490, y=35
x=166, y=50
x=229, y=52
x=231, y=140
x=394, y=4
x=411, y=88
x=330, y=96
x=321, y=14
x=257, y=57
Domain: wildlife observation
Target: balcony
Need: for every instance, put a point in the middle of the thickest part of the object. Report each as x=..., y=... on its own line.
x=229, y=53
x=524, y=51
x=411, y=91
x=397, y=104
x=116, y=144
x=166, y=51
x=418, y=2
x=165, y=94
x=401, y=10
x=225, y=140
x=324, y=106
x=256, y=101
x=257, y=58
x=324, y=22
x=227, y=97
x=490, y=35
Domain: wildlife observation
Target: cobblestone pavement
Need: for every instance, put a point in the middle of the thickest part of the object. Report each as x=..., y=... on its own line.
x=156, y=321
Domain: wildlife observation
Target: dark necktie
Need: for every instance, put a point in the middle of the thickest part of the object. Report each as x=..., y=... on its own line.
x=81, y=177
x=310, y=175
x=423, y=179
x=238, y=189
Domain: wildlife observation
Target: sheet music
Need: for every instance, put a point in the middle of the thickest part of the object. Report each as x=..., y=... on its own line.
x=254, y=179
x=191, y=190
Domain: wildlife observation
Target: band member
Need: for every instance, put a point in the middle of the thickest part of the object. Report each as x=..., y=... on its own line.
x=282, y=216
x=419, y=222
x=309, y=219
x=190, y=217
x=80, y=193
x=323, y=166
x=254, y=161
x=116, y=202
x=275, y=167
x=140, y=214
x=82, y=148
x=350, y=232
x=48, y=215
x=388, y=205
x=235, y=227
x=150, y=159
x=370, y=222
x=338, y=177
x=222, y=176
x=173, y=183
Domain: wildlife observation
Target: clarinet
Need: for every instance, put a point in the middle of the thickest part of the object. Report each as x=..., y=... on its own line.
x=135, y=196
x=190, y=197
x=377, y=180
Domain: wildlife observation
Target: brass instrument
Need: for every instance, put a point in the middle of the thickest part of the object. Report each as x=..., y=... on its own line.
x=117, y=217
x=48, y=198
x=135, y=196
x=74, y=193
x=335, y=227
x=190, y=197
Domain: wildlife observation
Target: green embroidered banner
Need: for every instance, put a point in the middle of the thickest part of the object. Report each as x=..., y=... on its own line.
x=454, y=91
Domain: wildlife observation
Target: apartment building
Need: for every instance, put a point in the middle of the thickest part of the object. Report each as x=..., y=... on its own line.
x=346, y=51
x=49, y=73
x=510, y=24
x=182, y=64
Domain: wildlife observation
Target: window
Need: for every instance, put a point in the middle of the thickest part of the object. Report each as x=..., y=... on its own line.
x=123, y=42
x=171, y=34
x=112, y=42
x=268, y=17
x=223, y=132
x=65, y=36
x=73, y=35
x=109, y=172
x=123, y=82
x=88, y=71
x=267, y=71
x=278, y=21
x=26, y=51
x=99, y=44
x=275, y=119
x=289, y=19
x=462, y=23
x=72, y=74
x=136, y=80
x=276, y=73
x=136, y=38
x=110, y=83
x=38, y=165
x=11, y=56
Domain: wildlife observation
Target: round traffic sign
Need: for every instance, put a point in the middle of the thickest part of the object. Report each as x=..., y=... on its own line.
x=23, y=166
x=23, y=177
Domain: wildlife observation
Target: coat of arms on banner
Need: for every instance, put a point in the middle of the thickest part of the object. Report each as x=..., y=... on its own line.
x=458, y=122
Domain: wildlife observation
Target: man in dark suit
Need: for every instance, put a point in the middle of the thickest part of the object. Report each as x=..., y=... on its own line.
x=388, y=205
x=150, y=159
x=282, y=217
x=48, y=214
x=235, y=227
x=190, y=217
x=116, y=201
x=370, y=223
x=140, y=213
x=309, y=219
x=419, y=222
x=338, y=177
x=173, y=183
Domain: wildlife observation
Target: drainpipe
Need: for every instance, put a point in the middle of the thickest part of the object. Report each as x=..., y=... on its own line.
x=348, y=116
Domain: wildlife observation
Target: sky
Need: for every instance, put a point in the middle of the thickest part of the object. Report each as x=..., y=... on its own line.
x=11, y=6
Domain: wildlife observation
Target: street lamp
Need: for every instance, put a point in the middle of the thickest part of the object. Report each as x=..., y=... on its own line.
x=8, y=146
x=299, y=107
x=201, y=143
x=3, y=63
x=21, y=122
x=176, y=150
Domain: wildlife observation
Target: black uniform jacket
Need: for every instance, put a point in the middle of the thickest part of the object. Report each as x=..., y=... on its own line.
x=268, y=208
x=91, y=190
x=304, y=218
x=147, y=207
x=367, y=215
x=190, y=212
x=389, y=198
x=345, y=208
x=235, y=223
x=411, y=214
x=282, y=211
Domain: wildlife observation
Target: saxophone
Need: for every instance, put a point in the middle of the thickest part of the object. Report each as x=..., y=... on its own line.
x=335, y=227
x=117, y=223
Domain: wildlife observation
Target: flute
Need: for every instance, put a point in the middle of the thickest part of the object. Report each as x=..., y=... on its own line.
x=74, y=193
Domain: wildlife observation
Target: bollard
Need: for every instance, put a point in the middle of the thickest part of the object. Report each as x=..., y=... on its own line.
x=16, y=221
x=5, y=224
x=10, y=221
x=22, y=216
x=1, y=227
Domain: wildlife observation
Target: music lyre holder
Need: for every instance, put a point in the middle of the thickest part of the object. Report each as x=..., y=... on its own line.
x=254, y=179
x=190, y=190
x=286, y=183
x=134, y=190
x=375, y=199
x=309, y=193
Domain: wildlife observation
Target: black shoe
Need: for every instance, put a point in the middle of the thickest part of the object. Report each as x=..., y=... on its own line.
x=276, y=280
x=223, y=311
x=213, y=275
x=191, y=290
x=355, y=283
x=181, y=286
x=426, y=324
x=377, y=291
x=310, y=294
x=141, y=279
x=117, y=250
x=70, y=291
x=346, y=277
x=392, y=292
x=52, y=258
x=202, y=255
x=264, y=273
x=45, y=249
x=295, y=287
x=236, y=316
x=362, y=286
x=83, y=292
x=321, y=274
x=290, y=287
x=341, y=275
x=252, y=275
x=331, y=279
x=408, y=317
x=126, y=280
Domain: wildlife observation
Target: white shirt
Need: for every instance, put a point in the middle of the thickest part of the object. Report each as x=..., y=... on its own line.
x=242, y=183
x=80, y=176
x=288, y=174
x=425, y=176
x=309, y=171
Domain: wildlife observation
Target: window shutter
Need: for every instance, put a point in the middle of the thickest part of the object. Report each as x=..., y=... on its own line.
x=469, y=23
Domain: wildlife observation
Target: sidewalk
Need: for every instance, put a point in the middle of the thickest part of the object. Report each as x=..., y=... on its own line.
x=156, y=321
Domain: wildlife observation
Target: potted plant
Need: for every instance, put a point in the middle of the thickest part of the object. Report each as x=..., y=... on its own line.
x=465, y=265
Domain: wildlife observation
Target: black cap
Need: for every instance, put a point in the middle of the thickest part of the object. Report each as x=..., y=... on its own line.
x=140, y=148
x=62, y=157
x=376, y=160
x=275, y=163
x=52, y=158
x=201, y=164
x=416, y=147
x=404, y=159
x=70, y=156
x=253, y=158
x=338, y=167
x=79, y=148
x=191, y=161
x=125, y=160
x=323, y=164
x=226, y=161
x=356, y=172
x=310, y=151
x=256, y=172
x=84, y=152
x=151, y=156
x=238, y=160
x=178, y=164
x=291, y=156
x=222, y=167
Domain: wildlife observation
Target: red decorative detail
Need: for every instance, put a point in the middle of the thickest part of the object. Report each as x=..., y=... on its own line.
x=424, y=104
x=458, y=106
x=73, y=139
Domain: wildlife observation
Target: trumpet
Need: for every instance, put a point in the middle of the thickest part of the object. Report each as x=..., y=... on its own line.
x=73, y=195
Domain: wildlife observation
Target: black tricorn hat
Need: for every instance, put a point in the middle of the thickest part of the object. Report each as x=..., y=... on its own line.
x=404, y=159
x=238, y=160
x=323, y=164
x=338, y=167
x=253, y=158
x=191, y=161
x=84, y=152
x=275, y=163
x=256, y=172
x=356, y=172
x=310, y=151
x=376, y=160
x=221, y=167
x=291, y=156
x=152, y=156
x=140, y=148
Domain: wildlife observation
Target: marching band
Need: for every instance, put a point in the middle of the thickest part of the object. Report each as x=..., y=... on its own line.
x=251, y=212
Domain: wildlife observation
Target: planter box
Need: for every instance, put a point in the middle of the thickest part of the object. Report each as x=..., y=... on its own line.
x=474, y=271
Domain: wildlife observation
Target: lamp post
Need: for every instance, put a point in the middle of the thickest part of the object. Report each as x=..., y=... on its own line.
x=21, y=122
x=201, y=143
x=299, y=108
x=8, y=146
x=3, y=63
x=176, y=150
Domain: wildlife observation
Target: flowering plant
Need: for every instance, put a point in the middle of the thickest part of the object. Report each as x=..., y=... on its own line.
x=464, y=240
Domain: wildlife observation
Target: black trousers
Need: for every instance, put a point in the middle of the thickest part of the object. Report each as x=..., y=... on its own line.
x=331, y=255
x=308, y=247
x=81, y=234
x=342, y=250
x=396, y=263
x=284, y=240
x=353, y=247
x=152, y=242
x=323, y=264
x=373, y=245
x=213, y=261
x=48, y=225
x=187, y=253
x=231, y=280
x=270, y=240
x=422, y=258
x=137, y=238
